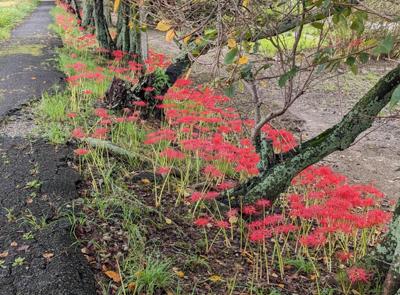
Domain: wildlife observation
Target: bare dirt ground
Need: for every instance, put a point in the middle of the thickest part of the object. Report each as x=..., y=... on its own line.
x=373, y=158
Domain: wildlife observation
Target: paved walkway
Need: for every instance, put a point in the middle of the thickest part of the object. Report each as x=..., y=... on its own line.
x=37, y=255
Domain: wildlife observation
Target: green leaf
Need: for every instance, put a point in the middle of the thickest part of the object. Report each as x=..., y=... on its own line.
x=358, y=26
x=289, y=75
x=318, y=25
x=230, y=56
x=363, y=57
x=351, y=60
x=230, y=91
x=395, y=97
x=385, y=46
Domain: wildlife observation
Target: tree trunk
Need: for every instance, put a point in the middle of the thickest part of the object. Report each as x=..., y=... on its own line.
x=276, y=178
x=387, y=254
x=88, y=16
x=123, y=36
x=102, y=33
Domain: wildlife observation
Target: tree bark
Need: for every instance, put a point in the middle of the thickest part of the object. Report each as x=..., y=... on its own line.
x=102, y=32
x=88, y=16
x=387, y=254
x=276, y=178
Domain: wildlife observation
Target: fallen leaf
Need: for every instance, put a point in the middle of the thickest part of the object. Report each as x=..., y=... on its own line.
x=48, y=255
x=116, y=5
x=186, y=39
x=33, y=78
x=163, y=26
x=179, y=273
x=243, y=60
x=232, y=43
x=281, y=286
x=145, y=181
x=29, y=201
x=14, y=244
x=131, y=286
x=85, y=250
x=168, y=221
x=170, y=35
x=215, y=278
x=4, y=254
x=113, y=275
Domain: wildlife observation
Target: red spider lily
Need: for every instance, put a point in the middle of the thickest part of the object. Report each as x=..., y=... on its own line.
x=120, y=119
x=232, y=212
x=171, y=154
x=81, y=152
x=263, y=203
x=212, y=171
x=160, y=135
x=313, y=240
x=181, y=83
x=259, y=235
x=148, y=89
x=344, y=256
x=249, y=210
x=140, y=103
x=222, y=224
x=78, y=133
x=202, y=221
x=72, y=115
x=100, y=133
x=102, y=113
x=118, y=54
x=163, y=170
x=87, y=91
x=106, y=121
x=226, y=185
x=358, y=274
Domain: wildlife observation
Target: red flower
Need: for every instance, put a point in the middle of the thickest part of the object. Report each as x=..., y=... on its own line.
x=72, y=115
x=78, y=133
x=263, y=203
x=343, y=256
x=202, y=221
x=222, y=224
x=163, y=170
x=140, y=103
x=171, y=153
x=87, y=91
x=101, y=112
x=100, y=133
x=358, y=274
x=81, y=152
x=249, y=210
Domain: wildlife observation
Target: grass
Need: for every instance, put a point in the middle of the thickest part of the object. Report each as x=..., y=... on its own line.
x=12, y=12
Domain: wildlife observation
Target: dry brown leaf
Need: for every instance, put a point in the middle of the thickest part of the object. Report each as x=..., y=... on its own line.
x=170, y=35
x=14, y=244
x=48, y=255
x=215, y=278
x=163, y=26
x=145, y=181
x=131, y=286
x=4, y=254
x=113, y=275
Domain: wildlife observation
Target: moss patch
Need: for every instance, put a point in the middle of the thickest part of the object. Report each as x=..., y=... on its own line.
x=35, y=50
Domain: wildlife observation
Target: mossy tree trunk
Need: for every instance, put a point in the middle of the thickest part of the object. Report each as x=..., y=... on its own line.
x=102, y=32
x=387, y=254
x=88, y=16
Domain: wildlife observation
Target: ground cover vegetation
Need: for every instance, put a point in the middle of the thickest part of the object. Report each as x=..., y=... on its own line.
x=12, y=12
x=186, y=196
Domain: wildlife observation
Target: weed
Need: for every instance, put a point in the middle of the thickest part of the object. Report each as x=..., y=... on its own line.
x=18, y=261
